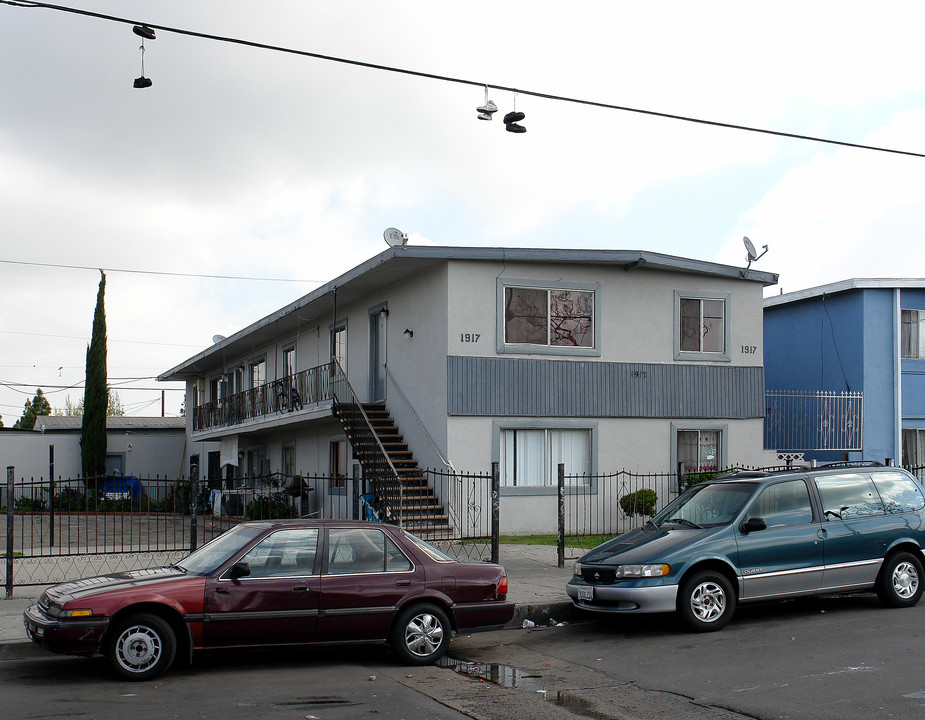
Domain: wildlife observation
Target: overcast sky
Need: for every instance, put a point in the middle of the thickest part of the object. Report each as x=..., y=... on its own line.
x=246, y=162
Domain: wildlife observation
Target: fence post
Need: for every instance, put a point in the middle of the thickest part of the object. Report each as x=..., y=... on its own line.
x=681, y=473
x=51, y=495
x=9, y=532
x=355, y=513
x=193, y=521
x=495, y=513
x=560, y=515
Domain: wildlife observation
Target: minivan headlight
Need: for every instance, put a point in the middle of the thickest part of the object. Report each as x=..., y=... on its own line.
x=576, y=569
x=628, y=571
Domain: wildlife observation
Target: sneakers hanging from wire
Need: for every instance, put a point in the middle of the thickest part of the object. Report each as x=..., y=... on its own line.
x=487, y=109
x=512, y=119
x=143, y=31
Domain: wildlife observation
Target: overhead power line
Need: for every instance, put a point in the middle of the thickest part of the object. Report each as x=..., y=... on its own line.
x=457, y=80
x=153, y=272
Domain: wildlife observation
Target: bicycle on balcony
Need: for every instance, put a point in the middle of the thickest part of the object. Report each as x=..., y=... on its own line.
x=287, y=397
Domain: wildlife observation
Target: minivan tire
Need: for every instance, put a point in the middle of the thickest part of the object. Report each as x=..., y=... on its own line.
x=706, y=601
x=901, y=579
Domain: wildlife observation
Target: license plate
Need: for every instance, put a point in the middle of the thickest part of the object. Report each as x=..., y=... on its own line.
x=585, y=592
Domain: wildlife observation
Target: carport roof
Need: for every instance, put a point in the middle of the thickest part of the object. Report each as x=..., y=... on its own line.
x=399, y=262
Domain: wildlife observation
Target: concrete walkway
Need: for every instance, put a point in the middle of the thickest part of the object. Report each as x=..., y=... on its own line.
x=536, y=585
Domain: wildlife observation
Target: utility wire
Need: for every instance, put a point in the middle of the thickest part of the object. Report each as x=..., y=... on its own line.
x=152, y=272
x=458, y=81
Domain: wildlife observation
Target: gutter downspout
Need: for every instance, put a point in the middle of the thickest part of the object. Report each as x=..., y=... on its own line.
x=897, y=378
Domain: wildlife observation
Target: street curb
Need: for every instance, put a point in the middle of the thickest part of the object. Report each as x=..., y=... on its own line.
x=538, y=613
x=542, y=613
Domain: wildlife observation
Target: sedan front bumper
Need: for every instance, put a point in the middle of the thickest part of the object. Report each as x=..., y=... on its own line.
x=69, y=637
x=623, y=599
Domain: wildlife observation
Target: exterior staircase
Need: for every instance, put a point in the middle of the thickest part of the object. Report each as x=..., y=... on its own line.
x=406, y=491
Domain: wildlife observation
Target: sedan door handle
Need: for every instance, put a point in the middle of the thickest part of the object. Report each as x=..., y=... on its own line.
x=300, y=588
x=402, y=583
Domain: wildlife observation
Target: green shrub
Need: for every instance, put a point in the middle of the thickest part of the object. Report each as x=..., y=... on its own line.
x=29, y=505
x=270, y=507
x=699, y=477
x=641, y=502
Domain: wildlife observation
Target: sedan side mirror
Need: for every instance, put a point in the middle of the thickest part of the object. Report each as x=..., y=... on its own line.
x=240, y=569
x=753, y=524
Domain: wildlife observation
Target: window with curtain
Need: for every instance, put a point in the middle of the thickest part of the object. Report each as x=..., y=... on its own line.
x=913, y=333
x=703, y=325
x=530, y=457
x=699, y=450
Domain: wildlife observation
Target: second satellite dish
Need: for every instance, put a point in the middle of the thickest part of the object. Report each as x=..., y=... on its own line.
x=752, y=254
x=394, y=236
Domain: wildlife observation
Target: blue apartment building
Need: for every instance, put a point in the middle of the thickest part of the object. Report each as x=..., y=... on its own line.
x=847, y=363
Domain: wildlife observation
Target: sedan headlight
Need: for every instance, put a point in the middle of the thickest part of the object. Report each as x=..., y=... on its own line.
x=59, y=613
x=631, y=571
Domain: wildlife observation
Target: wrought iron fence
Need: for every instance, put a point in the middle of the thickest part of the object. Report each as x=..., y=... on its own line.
x=798, y=420
x=66, y=529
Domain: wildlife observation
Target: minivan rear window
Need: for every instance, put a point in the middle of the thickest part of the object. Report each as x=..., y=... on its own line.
x=898, y=492
x=849, y=496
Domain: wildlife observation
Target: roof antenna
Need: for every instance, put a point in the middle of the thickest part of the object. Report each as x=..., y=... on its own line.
x=752, y=254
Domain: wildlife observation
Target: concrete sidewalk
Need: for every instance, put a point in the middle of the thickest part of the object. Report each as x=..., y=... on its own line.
x=535, y=585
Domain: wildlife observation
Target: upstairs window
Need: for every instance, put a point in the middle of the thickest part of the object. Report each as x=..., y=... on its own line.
x=913, y=334
x=549, y=319
x=701, y=322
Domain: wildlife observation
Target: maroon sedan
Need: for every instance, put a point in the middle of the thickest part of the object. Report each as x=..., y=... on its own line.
x=276, y=583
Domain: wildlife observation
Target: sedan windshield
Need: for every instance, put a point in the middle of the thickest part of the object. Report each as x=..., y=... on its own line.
x=706, y=505
x=211, y=555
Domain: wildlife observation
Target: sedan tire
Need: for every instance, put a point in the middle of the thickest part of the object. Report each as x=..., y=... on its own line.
x=900, y=581
x=706, y=601
x=421, y=634
x=141, y=647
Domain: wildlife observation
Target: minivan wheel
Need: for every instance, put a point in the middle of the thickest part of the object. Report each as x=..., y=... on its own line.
x=706, y=601
x=421, y=634
x=900, y=581
x=141, y=647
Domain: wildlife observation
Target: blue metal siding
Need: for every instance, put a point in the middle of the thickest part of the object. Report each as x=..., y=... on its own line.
x=512, y=387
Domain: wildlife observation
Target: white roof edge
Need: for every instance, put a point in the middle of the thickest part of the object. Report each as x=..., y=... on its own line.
x=844, y=286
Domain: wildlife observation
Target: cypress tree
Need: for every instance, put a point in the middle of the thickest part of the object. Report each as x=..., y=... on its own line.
x=96, y=393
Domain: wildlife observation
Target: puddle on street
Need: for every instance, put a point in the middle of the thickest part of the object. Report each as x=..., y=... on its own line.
x=511, y=677
x=503, y=675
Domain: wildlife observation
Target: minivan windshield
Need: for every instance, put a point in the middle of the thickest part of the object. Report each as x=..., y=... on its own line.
x=706, y=505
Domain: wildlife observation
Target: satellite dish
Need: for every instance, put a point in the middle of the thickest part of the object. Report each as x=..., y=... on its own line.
x=752, y=254
x=394, y=236
x=217, y=339
x=750, y=247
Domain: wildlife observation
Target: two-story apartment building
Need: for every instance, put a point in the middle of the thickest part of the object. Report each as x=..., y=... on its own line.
x=598, y=359
x=860, y=336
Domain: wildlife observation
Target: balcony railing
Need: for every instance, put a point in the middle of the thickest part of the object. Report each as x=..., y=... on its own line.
x=289, y=394
x=798, y=420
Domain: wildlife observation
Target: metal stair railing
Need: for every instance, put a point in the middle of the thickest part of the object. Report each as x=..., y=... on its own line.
x=339, y=380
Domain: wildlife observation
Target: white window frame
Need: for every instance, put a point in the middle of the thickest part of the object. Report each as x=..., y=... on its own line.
x=536, y=349
x=550, y=472
x=914, y=337
x=679, y=354
x=916, y=438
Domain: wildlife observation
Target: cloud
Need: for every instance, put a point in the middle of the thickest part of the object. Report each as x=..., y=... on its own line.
x=845, y=213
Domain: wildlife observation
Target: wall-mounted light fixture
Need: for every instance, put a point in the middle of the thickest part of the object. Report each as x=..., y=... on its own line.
x=409, y=332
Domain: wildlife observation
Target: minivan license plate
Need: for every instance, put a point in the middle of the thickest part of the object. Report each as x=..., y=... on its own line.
x=585, y=592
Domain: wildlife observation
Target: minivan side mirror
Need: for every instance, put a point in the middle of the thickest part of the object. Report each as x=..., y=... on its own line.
x=753, y=524
x=240, y=569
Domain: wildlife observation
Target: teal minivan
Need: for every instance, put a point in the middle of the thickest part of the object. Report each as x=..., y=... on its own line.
x=755, y=536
